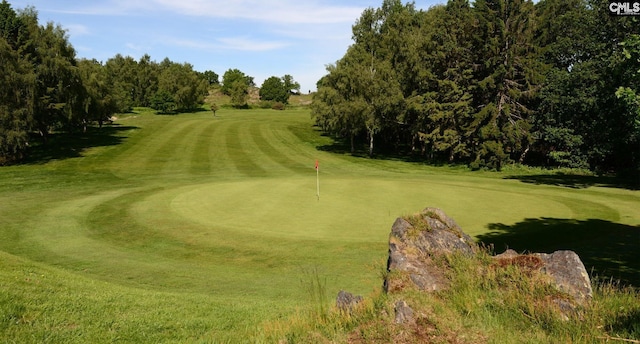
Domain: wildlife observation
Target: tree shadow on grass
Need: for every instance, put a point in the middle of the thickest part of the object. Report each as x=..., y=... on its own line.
x=607, y=249
x=404, y=154
x=60, y=146
x=580, y=182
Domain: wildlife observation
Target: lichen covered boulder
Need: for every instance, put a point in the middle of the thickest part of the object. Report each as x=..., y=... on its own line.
x=414, y=244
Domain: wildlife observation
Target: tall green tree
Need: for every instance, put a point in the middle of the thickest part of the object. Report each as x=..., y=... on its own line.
x=290, y=84
x=508, y=78
x=58, y=94
x=99, y=103
x=16, y=88
x=236, y=85
x=146, y=81
x=377, y=86
x=567, y=94
x=437, y=65
x=581, y=121
x=337, y=107
x=274, y=89
x=122, y=73
x=16, y=85
x=184, y=85
x=211, y=77
x=233, y=75
x=629, y=94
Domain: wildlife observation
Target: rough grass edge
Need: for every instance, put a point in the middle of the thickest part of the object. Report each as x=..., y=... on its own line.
x=485, y=303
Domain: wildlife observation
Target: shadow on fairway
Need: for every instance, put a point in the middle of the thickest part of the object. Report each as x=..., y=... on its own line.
x=580, y=182
x=607, y=249
x=71, y=145
x=362, y=151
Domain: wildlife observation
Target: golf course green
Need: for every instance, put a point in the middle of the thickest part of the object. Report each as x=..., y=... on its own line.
x=195, y=228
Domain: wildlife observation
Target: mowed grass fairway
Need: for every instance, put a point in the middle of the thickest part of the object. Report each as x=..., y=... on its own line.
x=191, y=228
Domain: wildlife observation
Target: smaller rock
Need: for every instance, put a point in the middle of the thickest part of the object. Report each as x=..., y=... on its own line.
x=564, y=267
x=404, y=313
x=346, y=301
x=508, y=254
x=569, y=274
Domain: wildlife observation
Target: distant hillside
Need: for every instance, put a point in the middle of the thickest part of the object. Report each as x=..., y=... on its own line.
x=216, y=96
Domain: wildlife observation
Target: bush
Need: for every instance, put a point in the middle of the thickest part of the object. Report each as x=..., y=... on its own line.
x=265, y=104
x=278, y=106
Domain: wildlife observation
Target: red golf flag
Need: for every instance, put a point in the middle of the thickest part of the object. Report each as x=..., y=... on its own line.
x=316, y=165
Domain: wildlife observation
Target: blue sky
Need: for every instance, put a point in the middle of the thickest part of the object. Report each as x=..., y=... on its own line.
x=261, y=38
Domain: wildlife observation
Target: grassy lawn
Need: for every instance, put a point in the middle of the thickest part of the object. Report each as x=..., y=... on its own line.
x=190, y=228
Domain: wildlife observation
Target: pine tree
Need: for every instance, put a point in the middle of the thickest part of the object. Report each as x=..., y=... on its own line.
x=508, y=77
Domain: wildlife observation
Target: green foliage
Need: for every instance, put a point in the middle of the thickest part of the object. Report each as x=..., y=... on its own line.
x=232, y=76
x=211, y=77
x=214, y=108
x=279, y=89
x=139, y=232
x=122, y=78
x=290, y=85
x=16, y=88
x=630, y=93
x=163, y=102
x=273, y=89
x=99, y=102
x=183, y=85
x=14, y=110
x=239, y=93
x=490, y=84
x=236, y=85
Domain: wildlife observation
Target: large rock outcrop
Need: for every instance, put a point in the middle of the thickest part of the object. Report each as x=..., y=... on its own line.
x=416, y=242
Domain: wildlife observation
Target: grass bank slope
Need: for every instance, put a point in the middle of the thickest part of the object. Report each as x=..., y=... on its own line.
x=190, y=228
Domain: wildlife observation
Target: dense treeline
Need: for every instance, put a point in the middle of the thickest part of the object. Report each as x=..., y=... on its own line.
x=554, y=83
x=44, y=88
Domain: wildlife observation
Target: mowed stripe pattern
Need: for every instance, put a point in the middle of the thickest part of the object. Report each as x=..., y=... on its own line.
x=221, y=215
x=204, y=146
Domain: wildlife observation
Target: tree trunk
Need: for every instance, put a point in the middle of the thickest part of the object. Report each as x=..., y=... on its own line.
x=43, y=135
x=371, y=144
x=353, y=146
x=524, y=154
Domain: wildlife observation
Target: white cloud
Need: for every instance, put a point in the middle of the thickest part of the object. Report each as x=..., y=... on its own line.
x=109, y=8
x=279, y=11
x=227, y=43
x=275, y=11
x=135, y=47
x=246, y=44
x=77, y=29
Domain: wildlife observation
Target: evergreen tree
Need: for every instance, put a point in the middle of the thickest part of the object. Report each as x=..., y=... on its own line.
x=507, y=80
